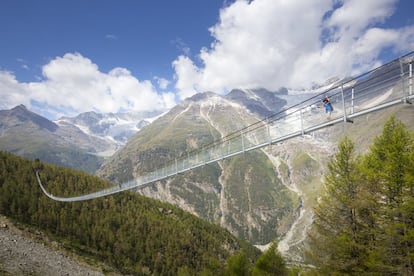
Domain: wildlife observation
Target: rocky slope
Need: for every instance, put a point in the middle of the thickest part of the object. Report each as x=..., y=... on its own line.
x=26, y=253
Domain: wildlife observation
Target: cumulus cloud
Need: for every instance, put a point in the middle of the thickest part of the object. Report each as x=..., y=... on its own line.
x=162, y=83
x=72, y=84
x=259, y=43
x=12, y=93
x=275, y=43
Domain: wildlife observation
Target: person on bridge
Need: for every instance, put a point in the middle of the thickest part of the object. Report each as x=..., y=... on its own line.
x=328, y=107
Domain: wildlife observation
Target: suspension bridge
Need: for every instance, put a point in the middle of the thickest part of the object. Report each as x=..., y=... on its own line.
x=388, y=85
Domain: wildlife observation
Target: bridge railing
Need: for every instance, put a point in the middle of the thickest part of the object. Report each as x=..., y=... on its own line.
x=387, y=85
x=378, y=87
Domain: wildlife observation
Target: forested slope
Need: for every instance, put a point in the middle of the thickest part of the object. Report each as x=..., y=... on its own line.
x=132, y=233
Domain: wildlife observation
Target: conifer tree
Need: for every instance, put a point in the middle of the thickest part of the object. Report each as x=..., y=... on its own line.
x=237, y=265
x=389, y=168
x=338, y=234
x=364, y=224
x=270, y=263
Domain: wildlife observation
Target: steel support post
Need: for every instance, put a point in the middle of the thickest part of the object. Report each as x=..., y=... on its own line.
x=404, y=95
x=228, y=147
x=301, y=122
x=242, y=140
x=410, y=80
x=352, y=100
x=343, y=102
x=346, y=120
x=268, y=133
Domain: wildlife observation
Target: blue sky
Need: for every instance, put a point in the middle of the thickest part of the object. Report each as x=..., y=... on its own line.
x=144, y=36
x=60, y=58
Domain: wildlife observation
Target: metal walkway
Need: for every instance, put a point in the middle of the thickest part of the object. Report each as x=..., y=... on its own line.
x=383, y=87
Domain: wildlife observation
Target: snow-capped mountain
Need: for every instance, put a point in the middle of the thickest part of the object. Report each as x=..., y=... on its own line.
x=81, y=142
x=30, y=135
x=115, y=127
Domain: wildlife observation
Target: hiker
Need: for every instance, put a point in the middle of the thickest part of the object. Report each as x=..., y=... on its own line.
x=328, y=107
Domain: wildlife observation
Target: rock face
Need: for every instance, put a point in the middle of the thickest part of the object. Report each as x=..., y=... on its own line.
x=301, y=164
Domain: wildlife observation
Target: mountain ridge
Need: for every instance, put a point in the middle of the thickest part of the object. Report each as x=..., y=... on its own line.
x=20, y=114
x=116, y=127
x=81, y=142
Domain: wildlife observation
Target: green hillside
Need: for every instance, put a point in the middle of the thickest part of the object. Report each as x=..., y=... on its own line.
x=135, y=234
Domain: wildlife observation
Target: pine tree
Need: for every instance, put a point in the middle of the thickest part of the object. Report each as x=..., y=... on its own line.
x=337, y=239
x=389, y=168
x=237, y=265
x=270, y=263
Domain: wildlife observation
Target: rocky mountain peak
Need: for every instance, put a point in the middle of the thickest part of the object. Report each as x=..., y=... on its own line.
x=258, y=101
x=117, y=127
x=201, y=96
x=19, y=107
x=20, y=115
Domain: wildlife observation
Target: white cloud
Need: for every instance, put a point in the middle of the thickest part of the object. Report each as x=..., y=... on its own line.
x=169, y=99
x=24, y=64
x=73, y=84
x=274, y=43
x=12, y=93
x=186, y=76
x=181, y=46
x=162, y=83
x=111, y=36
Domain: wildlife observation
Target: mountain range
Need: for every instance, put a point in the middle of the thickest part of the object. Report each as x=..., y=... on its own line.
x=84, y=141
x=81, y=142
x=258, y=196
x=114, y=127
